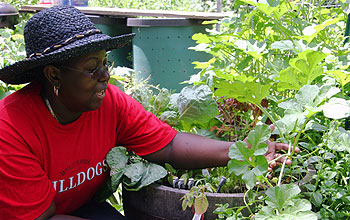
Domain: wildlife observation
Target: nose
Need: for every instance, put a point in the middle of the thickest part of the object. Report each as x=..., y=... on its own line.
x=104, y=75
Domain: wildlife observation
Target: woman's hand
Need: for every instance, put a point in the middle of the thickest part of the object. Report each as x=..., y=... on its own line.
x=272, y=154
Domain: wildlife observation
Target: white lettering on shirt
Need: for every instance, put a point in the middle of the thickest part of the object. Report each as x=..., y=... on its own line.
x=80, y=178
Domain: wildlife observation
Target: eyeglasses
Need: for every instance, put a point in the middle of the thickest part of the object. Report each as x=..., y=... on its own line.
x=97, y=73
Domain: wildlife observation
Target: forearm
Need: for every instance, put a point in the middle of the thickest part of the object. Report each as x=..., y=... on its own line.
x=189, y=151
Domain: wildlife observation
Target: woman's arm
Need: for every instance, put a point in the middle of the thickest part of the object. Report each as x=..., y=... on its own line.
x=191, y=151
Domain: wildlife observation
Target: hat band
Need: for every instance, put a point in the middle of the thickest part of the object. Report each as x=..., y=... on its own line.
x=65, y=42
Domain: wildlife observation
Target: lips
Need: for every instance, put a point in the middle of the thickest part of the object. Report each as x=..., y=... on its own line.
x=101, y=94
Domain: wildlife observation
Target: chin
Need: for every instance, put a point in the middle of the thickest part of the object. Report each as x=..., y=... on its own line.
x=95, y=106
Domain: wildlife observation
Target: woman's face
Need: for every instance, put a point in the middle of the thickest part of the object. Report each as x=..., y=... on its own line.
x=84, y=82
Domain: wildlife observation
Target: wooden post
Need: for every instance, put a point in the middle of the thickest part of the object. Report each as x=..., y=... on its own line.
x=218, y=10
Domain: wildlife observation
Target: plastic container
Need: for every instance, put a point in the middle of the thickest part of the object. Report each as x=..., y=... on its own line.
x=160, y=50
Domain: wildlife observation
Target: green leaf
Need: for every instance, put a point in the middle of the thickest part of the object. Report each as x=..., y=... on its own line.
x=304, y=69
x=253, y=92
x=116, y=179
x=151, y=173
x=261, y=149
x=201, y=38
x=280, y=196
x=336, y=108
x=289, y=79
x=310, y=32
x=237, y=167
x=317, y=198
x=243, y=150
x=249, y=178
x=3, y=94
x=170, y=168
x=196, y=105
x=339, y=139
x=342, y=76
x=261, y=166
x=234, y=152
x=291, y=121
x=273, y=3
x=261, y=133
x=161, y=100
x=252, y=47
x=201, y=204
x=133, y=173
x=283, y=45
x=116, y=158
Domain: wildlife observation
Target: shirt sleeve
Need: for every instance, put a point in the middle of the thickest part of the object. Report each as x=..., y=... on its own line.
x=26, y=190
x=139, y=130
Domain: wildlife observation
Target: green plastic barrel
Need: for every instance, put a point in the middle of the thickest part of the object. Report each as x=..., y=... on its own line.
x=114, y=27
x=160, y=50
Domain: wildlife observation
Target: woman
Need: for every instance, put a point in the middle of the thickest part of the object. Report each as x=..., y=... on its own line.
x=56, y=132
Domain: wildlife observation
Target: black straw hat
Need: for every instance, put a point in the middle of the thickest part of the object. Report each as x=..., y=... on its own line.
x=57, y=34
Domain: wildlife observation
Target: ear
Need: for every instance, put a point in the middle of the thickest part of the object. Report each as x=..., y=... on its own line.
x=53, y=75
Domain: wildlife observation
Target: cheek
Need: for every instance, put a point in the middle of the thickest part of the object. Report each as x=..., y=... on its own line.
x=78, y=96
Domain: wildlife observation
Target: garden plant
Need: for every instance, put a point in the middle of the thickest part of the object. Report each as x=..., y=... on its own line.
x=277, y=62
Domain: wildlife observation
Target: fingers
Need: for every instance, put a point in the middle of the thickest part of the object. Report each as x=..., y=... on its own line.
x=282, y=146
x=272, y=127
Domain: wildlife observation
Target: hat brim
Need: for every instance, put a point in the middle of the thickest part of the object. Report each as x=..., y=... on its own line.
x=19, y=72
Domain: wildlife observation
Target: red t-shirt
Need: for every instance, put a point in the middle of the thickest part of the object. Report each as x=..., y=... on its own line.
x=41, y=160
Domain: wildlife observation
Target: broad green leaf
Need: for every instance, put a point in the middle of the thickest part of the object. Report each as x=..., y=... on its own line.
x=280, y=196
x=317, y=198
x=257, y=92
x=326, y=92
x=289, y=79
x=196, y=105
x=237, y=167
x=336, y=108
x=170, y=117
x=306, y=96
x=291, y=121
x=201, y=38
x=243, y=150
x=342, y=76
x=254, y=48
x=283, y=45
x=310, y=32
x=291, y=106
x=253, y=92
x=261, y=166
x=116, y=179
x=261, y=133
x=234, y=152
x=161, y=100
x=249, y=178
x=260, y=149
x=201, y=204
x=304, y=69
x=116, y=158
x=151, y=173
x=133, y=173
x=339, y=139
x=273, y=3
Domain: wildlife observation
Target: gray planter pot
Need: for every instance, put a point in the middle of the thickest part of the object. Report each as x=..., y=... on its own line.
x=158, y=202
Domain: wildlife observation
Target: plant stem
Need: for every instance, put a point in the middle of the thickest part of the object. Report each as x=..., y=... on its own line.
x=245, y=202
x=270, y=117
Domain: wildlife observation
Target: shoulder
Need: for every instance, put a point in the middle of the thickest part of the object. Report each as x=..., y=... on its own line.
x=19, y=109
x=23, y=98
